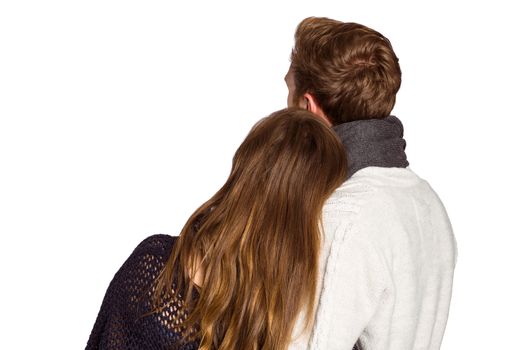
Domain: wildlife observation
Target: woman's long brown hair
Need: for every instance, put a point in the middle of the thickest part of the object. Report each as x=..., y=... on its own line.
x=257, y=240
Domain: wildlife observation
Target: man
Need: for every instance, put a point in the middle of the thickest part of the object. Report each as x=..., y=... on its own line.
x=389, y=251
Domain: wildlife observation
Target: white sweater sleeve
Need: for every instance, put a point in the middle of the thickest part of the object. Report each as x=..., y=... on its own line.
x=359, y=280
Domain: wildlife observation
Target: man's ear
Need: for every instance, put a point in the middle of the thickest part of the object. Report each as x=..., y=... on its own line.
x=313, y=106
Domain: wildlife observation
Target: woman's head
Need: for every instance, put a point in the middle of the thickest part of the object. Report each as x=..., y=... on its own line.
x=289, y=158
x=257, y=239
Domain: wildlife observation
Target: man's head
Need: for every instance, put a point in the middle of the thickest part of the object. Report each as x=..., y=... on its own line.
x=342, y=71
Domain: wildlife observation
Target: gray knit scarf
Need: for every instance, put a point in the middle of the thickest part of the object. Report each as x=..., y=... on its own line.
x=373, y=142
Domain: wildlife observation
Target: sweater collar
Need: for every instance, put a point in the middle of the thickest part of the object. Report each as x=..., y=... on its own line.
x=373, y=142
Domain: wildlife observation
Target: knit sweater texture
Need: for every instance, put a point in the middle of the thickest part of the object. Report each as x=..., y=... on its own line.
x=389, y=252
x=120, y=324
x=386, y=266
x=385, y=272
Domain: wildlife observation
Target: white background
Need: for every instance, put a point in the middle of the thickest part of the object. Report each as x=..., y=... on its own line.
x=118, y=118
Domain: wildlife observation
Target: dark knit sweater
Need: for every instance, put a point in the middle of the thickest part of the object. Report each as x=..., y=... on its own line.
x=118, y=325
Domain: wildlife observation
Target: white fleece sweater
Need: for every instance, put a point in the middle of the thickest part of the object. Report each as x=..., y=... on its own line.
x=386, y=266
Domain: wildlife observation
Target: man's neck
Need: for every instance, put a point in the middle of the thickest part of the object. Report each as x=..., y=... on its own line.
x=373, y=142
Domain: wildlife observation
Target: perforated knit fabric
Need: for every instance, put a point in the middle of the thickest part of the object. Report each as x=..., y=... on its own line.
x=119, y=324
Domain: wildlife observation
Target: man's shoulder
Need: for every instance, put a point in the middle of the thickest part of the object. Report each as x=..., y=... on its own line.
x=373, y=183
x=379, y=200
x=377, y=191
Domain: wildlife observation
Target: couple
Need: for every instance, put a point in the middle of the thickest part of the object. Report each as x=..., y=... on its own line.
x=321, y=237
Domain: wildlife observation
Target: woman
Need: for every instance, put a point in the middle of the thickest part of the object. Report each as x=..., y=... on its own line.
x=245, y=264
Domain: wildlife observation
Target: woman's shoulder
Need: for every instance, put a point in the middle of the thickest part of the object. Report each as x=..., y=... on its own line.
x=153, y=249
x=157, y=242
